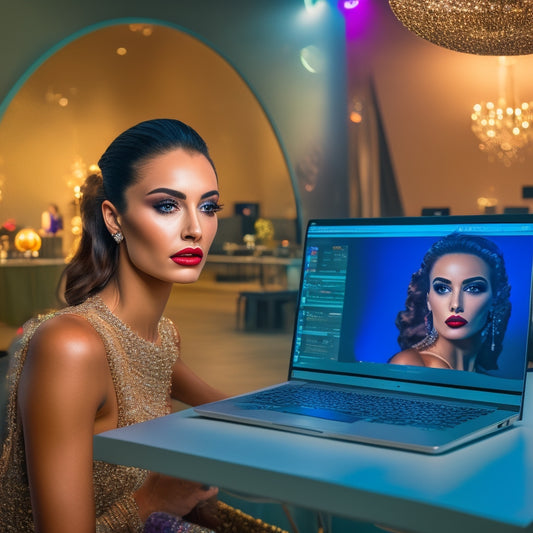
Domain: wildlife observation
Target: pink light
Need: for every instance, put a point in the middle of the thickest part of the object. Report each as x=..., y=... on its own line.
x=358, y=16
x=350, y=4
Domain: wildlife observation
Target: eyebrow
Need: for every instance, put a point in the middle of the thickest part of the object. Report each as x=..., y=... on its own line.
x=180, y=195
x=475, y=278
x=465, y=282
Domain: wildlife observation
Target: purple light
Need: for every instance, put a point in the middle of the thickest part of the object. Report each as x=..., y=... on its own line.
x=358, y=16
x=350, y=4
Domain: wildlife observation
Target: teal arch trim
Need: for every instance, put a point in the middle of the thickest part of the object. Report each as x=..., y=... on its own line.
x=131, y=20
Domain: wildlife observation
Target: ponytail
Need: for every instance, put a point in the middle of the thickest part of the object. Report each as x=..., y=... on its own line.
x=96, y=258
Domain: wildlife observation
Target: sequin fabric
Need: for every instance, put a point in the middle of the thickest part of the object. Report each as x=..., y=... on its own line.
x=227, y=519
x=484, y=27
x=141, y=373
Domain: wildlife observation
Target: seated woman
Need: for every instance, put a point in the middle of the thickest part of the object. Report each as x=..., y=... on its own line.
x=457, y=307
x=110, y=359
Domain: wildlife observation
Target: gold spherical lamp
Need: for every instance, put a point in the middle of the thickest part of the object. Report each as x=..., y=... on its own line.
x=483, y=27
x=27, y=240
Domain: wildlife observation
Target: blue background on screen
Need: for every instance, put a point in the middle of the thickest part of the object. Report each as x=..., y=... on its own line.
x=380, y=272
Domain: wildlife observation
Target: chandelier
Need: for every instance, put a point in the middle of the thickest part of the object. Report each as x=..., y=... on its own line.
x=484, y=27
x=504, y=128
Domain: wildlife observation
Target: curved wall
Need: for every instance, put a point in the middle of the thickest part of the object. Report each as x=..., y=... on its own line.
x=261, y=40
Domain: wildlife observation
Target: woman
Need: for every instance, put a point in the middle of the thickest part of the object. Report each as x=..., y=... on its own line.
x=51, y=220
x=457, y=307
x=110, y=359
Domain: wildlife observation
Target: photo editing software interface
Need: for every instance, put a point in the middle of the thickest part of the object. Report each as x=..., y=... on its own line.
x=355, y=282
x=323, y=292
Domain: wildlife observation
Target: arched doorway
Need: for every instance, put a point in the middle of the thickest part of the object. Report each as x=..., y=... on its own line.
x=107, y=78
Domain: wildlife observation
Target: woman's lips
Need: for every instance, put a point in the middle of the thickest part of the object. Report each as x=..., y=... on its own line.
x=456, y=321
x=188, y=257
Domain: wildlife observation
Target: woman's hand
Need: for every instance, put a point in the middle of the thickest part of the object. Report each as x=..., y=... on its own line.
x=171, y=495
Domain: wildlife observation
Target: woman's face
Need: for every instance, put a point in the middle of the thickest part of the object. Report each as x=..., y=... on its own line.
x=170, y=219
x=460, y=295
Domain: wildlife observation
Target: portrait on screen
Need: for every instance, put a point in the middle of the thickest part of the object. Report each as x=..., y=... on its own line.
x=457, y=307
x=456, y=301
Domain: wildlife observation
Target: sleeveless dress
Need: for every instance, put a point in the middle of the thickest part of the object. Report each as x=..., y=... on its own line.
x=141, y=373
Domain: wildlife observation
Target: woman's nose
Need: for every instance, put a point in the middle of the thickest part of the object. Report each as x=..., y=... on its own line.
x=192, y=229
x=456, y=304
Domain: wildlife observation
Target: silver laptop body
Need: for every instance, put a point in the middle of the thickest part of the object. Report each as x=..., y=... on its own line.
x=354, y=281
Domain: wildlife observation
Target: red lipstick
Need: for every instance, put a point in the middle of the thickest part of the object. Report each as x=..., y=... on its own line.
x=188, y=257
x=455, y=321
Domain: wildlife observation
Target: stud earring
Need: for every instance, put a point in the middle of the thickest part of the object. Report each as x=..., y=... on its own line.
x=118, y=237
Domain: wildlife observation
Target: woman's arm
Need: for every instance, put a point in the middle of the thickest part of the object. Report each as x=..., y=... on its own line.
x=63, y=384
x=64, y=388
x=189, y=388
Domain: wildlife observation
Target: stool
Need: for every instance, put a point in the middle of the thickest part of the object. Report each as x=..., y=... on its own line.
x=265, y=310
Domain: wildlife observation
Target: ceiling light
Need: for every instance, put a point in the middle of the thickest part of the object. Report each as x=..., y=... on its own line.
x=484, y=27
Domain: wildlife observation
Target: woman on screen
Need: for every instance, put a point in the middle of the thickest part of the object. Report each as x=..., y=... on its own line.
x=457, y=307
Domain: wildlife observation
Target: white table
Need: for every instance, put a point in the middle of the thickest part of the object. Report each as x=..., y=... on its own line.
x=287, y=269
x=484, y=487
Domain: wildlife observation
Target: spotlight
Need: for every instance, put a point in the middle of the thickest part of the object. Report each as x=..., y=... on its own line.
x=310, y=5
x=347, y=5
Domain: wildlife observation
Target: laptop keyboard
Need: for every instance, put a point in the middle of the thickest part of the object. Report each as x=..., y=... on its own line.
x=345, y=406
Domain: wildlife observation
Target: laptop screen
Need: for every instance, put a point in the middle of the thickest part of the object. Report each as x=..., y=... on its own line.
x=441, y=300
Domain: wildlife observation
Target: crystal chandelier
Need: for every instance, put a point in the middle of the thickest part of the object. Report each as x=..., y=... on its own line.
x=504, y=128
x=485, y=27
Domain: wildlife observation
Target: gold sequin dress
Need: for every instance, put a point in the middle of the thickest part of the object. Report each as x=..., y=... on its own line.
x=141, y=373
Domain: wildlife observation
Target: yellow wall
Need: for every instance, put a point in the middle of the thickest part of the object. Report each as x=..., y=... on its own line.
x=261, y=41
x=166, y=74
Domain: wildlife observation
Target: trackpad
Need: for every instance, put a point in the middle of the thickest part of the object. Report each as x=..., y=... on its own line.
x=327, y=414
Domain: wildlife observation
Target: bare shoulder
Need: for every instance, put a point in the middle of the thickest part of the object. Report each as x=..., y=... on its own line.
x=66, y=339
x=410, y=356
x=65, y=376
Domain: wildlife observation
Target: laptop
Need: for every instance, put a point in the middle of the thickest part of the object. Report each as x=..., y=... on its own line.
x=354, y=282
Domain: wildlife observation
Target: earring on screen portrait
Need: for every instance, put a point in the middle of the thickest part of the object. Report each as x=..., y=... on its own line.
x=490, y=332
x=428, y=322
x=118, y=237
x=493, y=342
x=431, y=334
x=495, y=319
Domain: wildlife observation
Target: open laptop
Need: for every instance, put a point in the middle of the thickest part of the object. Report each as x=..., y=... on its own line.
x=354, y=280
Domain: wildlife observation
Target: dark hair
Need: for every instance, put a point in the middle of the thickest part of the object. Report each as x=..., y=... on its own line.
x=96, y=259
x=412, y=320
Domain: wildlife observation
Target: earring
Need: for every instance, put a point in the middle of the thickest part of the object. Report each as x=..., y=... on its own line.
x=493, y=342
x=428, y=322
x=427, y=341
x=490, y=331
x=118, y=237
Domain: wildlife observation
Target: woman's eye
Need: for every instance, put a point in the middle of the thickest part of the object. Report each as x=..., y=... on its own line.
x=476, y=288
x=166, y=206
x=211, y=208
x=441, y=288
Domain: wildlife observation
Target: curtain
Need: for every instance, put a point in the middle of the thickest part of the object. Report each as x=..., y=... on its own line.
x=373, y=187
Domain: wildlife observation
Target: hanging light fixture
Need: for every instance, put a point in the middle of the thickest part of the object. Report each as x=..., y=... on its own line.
x=484, y=27
x=505, y=127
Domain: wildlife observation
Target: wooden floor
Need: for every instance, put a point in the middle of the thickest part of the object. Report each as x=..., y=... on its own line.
x=213, y=346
